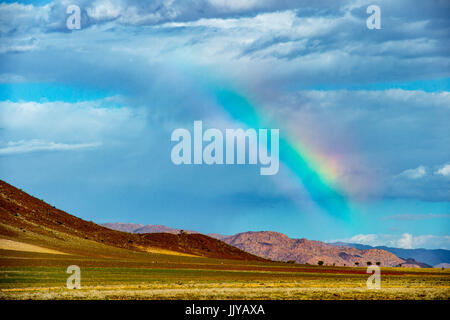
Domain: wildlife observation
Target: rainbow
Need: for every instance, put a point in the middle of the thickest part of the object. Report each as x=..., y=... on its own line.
x=311, y=170
x=307, y=167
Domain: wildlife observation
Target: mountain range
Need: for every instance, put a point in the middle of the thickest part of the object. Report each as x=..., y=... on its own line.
x=432, y=257
x=28, y=222
x=279, y=247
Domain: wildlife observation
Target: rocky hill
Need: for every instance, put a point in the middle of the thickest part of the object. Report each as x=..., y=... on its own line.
x=26, y=217
x=277, y=246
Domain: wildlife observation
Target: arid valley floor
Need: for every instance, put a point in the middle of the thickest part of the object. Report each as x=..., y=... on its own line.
x=26, y=275
x=39, y=242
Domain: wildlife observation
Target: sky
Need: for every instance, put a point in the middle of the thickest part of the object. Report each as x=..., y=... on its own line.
x=86, y=115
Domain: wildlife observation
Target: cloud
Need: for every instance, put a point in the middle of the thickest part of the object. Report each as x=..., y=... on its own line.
x=299, y=61
x=405, y=241
x=234, y=5
x=59, y=121
x=52, y=16
x=25, y=146
x=411, y=217
x=324, y=40
x=373, y=135
x=26, y=18
x=443, y=171
x=104, y=10
x=18, y=45
x=417, y=173
x=11, y=78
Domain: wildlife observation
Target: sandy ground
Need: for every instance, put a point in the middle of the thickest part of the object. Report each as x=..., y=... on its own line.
x=21, y=246
x=164, y=251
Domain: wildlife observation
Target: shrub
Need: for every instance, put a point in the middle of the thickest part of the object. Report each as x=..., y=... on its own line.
x=369, y=263
x=378, y=263
x=320, y=262
x=356, y=263
x=290, y=261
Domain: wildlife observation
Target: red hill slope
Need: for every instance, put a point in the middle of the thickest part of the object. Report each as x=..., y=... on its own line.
x=22, y=213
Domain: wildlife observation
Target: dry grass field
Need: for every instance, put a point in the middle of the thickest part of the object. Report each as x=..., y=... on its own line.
x=33, y=275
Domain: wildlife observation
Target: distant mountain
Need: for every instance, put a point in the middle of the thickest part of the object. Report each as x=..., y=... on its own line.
x=140, y=228
x=125, y=227
x=277, y=246
x=429, y=256
x=153, y=228
x=443, y=265
x=218, y=236
x=411, y=263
